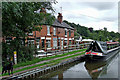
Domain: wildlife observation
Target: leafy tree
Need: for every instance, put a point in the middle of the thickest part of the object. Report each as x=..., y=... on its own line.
x=18, y=18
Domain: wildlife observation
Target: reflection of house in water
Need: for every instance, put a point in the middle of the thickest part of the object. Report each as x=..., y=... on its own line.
x=60, y=76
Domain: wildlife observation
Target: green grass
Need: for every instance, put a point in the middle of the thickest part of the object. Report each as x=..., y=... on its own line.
x=46, y=58
x=50, y=62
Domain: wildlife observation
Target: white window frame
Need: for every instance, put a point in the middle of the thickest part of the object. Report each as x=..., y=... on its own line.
x=48, y=30
x=48, y=43
x=30, y=34
x=66, y=42
x=65, y=32
x=55, y=42
x=31, y=42
x=54, y=31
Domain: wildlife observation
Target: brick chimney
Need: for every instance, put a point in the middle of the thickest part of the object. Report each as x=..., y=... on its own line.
x=59, y=17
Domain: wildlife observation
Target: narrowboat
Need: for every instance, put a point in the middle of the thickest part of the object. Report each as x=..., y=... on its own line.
x=101, y=50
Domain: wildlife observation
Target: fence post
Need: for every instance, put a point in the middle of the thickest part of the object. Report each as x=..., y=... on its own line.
x=63, y=49
x=55, y=50
x=76, y=46
x=68, y=48
x=46, y=53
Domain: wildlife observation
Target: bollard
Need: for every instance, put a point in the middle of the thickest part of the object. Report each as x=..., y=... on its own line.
x=36, y=74
x=42, y=72
x=29, y=76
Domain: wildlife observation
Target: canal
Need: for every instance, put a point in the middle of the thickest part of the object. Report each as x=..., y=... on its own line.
x=82, y=70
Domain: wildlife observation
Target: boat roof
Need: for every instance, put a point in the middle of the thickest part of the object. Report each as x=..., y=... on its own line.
x=101, y=46
x=112, y=42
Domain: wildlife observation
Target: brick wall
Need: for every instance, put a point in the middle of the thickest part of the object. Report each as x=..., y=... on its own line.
x=61, y=32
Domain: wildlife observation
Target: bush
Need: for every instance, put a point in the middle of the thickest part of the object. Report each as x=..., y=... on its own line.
x=25, y=53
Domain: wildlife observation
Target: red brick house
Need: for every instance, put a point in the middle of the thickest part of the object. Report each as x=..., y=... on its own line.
x=59, y=34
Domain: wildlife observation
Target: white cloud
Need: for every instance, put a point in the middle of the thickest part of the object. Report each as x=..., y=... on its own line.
x=90, y=14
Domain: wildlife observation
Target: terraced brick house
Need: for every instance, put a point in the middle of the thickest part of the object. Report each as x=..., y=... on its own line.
x=59, y=34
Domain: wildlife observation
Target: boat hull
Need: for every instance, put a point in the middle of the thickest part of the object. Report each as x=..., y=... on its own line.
x=109, y=54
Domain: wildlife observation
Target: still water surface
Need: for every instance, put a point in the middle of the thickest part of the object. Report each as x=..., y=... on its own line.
x=90, y=70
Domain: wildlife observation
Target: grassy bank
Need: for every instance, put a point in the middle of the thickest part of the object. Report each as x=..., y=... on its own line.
x=48, y=63
x=45, y=58
x=52, y=61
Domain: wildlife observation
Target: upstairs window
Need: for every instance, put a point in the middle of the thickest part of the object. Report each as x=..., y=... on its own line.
x=65, y=32
x=48, y=30
x=54, y=31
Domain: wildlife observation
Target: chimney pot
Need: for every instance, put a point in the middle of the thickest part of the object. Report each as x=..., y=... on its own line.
x=60, y=17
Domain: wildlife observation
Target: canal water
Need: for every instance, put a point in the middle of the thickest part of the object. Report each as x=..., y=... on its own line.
x=103, y=70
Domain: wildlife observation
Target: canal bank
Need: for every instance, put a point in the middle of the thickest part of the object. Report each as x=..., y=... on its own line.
x=47, y=69
x=56, y=62
x=102, y=70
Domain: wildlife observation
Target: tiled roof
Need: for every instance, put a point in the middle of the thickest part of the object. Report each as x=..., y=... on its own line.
x=63, y=24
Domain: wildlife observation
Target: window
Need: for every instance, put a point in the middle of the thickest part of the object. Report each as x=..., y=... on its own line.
x=48, y=44
x=30, y=42
x=37, y=43
x=8, y=40
x=69, y=32
x=69, y=42
x=43, y=43
x=54, y=42
x=65, y=43
x=65, y=32
x=48, y=30
x=59, y=42
x=54, y=32
x=30, y=34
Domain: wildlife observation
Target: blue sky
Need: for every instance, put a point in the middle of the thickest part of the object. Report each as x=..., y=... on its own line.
x=90, y=13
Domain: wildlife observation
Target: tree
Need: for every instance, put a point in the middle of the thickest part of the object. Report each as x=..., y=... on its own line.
x=18, y=18
x=100, y=35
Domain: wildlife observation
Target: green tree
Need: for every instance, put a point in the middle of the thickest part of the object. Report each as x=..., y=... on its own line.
x=21, y=17
x=18, y=18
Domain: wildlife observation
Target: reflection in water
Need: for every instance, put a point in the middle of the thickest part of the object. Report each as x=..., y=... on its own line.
x=60, y=76
x=58, y=73
x=86, y=69
x=95, y=69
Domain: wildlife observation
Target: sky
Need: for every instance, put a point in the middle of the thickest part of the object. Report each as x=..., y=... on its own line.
x=90, y=13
